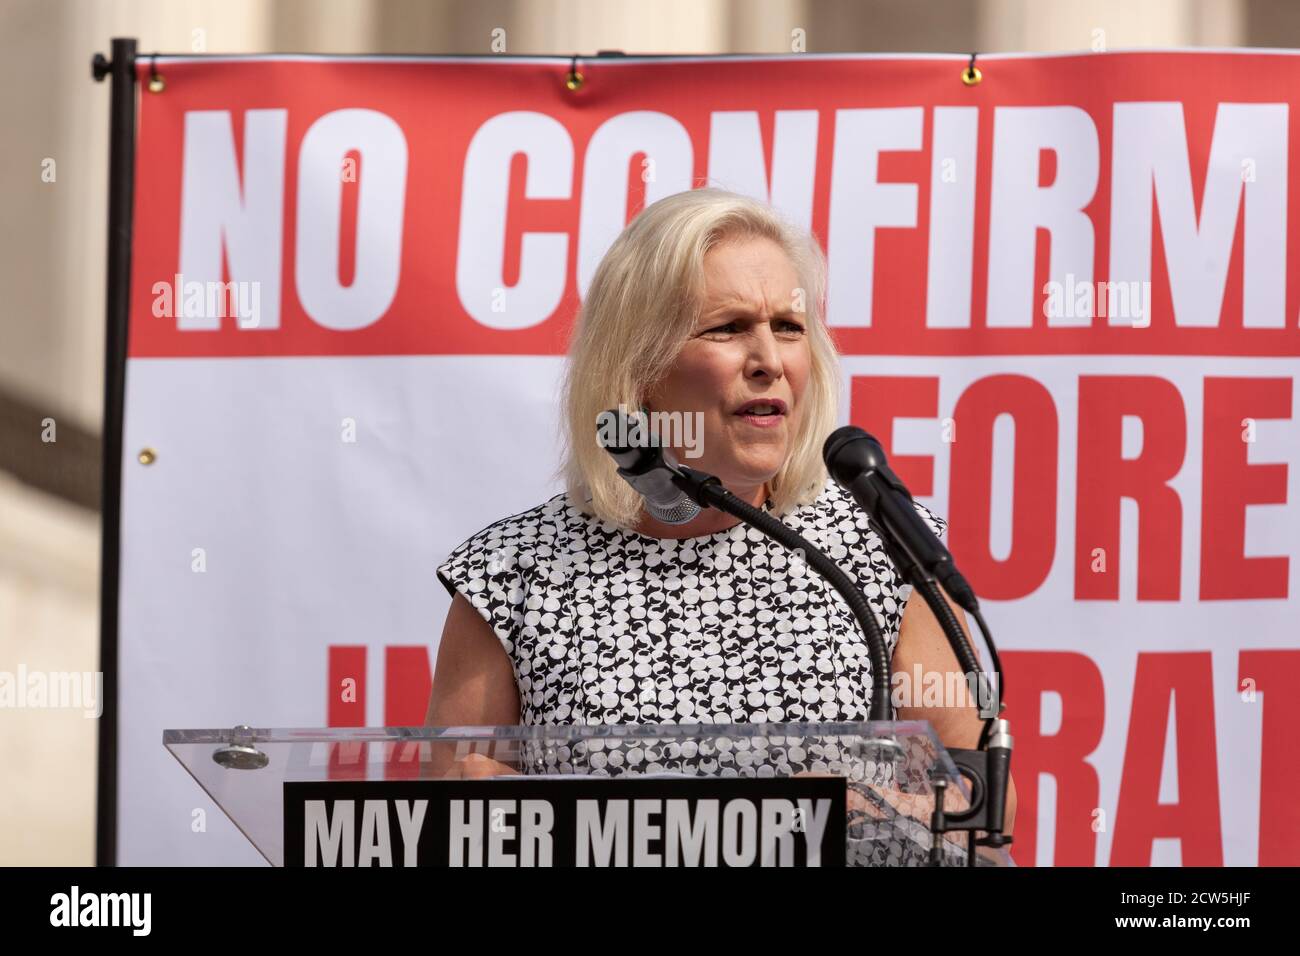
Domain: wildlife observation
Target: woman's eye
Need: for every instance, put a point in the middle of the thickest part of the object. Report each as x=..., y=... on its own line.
x=783, y=327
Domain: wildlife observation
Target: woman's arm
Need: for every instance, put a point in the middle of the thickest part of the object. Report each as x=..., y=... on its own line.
x=473, y=681
x=922, y=645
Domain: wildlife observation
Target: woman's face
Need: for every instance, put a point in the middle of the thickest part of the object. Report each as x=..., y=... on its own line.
x=745, y=366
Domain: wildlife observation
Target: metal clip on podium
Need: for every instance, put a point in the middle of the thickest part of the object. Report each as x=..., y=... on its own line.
x=857, y=794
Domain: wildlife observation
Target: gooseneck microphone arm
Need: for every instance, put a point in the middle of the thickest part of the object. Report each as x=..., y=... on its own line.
x=708, y=492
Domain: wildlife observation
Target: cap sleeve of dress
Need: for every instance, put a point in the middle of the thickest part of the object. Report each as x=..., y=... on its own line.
x=485, y=571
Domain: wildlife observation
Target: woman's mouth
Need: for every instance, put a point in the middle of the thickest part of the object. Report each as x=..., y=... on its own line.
x=763, y=412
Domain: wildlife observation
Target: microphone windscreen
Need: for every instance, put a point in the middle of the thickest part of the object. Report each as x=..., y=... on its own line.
x=849, y=452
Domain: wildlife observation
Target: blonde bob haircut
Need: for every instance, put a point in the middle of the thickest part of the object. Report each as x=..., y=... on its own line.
x=643, y=305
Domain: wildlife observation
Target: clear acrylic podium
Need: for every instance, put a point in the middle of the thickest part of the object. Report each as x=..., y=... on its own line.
x=883, y=774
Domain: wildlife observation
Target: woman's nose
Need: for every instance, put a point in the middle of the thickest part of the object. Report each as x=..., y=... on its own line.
x=764, y=359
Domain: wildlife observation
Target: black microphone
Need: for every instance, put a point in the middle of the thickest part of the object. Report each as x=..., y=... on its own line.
x=647, y=467
x=857, y=463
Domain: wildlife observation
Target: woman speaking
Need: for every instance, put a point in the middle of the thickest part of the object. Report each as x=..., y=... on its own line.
x=707, y=311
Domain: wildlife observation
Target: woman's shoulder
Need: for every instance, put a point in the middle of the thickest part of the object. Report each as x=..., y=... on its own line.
x=555, y=521
x=538, y=522
x=834, y=511
x=544, y=540
x=835, y=524
x=492, y=554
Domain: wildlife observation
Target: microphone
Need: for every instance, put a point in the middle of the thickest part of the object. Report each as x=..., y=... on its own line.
x=647, y=467
x=857, y=463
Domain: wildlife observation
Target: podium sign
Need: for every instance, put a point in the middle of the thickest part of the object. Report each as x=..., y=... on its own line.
x=567, y=821
x=857, y=794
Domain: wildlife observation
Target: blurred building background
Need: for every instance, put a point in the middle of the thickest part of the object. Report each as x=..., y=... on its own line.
x=52, y=248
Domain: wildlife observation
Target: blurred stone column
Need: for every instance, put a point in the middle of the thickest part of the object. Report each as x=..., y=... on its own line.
x=1035, y=26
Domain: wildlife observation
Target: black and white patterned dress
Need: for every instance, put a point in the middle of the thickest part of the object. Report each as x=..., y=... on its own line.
x=608, y=626
x=605, y=626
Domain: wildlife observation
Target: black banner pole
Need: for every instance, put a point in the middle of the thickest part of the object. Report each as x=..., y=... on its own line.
x=121, y=189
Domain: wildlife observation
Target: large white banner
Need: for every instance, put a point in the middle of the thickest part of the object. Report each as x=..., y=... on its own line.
x=1066, y=302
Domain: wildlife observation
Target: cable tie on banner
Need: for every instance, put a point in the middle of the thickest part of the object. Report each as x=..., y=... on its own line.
x=573, y=80
x=971, y=75
x=156, y=83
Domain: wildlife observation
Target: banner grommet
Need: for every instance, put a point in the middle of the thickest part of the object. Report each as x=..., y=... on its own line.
x=972, y=75
x=573, y=80
x=156, y=83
